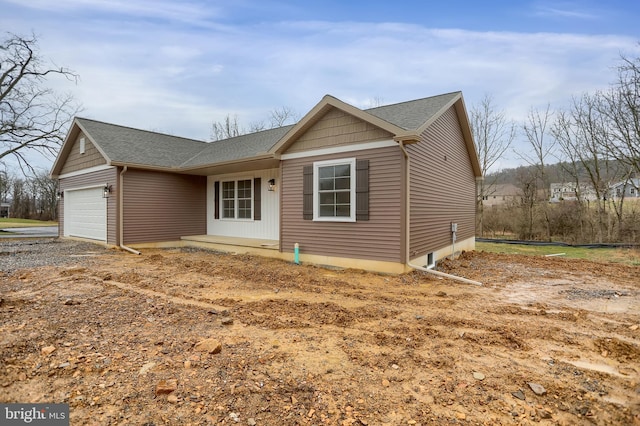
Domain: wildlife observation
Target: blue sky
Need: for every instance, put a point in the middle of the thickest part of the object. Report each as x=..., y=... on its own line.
x=177, y=66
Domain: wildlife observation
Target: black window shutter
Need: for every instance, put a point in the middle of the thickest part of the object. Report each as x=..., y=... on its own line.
x=307, y=192
x=216, y=197
x=257, y=199
x=362, y=189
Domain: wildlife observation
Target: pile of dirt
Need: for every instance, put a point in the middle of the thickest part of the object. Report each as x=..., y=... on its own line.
x=194, y=337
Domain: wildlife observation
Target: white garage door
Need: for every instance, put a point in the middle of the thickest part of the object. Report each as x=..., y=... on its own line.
x=85, y=214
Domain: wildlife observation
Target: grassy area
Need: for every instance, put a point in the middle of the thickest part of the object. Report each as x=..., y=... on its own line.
x=23, y=223
x=626, y=256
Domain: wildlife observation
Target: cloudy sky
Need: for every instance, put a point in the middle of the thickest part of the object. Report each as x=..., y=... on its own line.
x=177, y=66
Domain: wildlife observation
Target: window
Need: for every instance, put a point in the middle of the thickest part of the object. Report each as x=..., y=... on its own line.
x=334, y=190
x=236, y=199
x=431, y=263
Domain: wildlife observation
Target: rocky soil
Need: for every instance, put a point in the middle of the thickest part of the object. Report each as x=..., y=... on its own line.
x=191, y=337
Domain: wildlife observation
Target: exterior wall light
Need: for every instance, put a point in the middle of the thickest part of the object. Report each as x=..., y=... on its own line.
x=272, y=184
x=59, y=195
x=106, y=190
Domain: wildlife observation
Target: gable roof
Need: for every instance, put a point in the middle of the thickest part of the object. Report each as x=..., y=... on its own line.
x=237, y=148
x=405, y=120
x=134, y=146
x=411, y=115
x=126, y=146
x=121, y=145
x=502, y=189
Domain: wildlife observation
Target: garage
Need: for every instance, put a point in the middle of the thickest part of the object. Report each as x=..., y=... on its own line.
x=85, y=214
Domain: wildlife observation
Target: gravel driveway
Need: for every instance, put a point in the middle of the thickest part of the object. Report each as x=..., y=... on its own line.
x=31, y=253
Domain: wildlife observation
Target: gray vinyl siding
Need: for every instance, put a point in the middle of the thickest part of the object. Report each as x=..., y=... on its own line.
x=99, y=178
x=378, y=238
x=77, y=161
x=163, y=206
x=442, y=187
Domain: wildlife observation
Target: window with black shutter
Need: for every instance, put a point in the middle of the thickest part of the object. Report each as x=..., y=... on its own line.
x=336, y=190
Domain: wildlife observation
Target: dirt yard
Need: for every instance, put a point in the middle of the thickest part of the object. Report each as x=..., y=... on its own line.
x=189, y=337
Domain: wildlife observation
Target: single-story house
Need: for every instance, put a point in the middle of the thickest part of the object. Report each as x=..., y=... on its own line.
x=5, y=209
x=500, y=194
x=375, y=189
x=629, y=189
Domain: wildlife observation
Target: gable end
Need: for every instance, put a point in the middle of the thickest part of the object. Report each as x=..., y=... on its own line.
x=335, y=128
x=79, y=160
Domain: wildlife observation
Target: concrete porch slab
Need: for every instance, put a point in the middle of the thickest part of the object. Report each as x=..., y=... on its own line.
x=234, y=241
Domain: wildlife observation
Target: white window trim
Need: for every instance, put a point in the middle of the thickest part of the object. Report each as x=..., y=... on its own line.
x=316, y=199
x=235, y=204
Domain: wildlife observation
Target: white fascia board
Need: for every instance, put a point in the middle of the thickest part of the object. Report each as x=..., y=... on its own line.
x=340, y=149
x=85, y=171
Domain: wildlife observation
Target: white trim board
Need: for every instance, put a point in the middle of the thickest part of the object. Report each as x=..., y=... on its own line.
x=340, y=149
x=85, y=171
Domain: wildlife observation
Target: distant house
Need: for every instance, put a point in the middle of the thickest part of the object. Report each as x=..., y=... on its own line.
x=375, y=189
x=499, y=194
x=628, y=189
x=570, y=191
x=5, y=209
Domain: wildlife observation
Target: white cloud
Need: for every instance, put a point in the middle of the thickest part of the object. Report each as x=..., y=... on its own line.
x=180, y=78
x=565, y=13
x=181, y=11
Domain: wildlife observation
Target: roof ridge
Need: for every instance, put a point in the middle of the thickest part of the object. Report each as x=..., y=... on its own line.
x=412, y=100
x=253, y=133
x=231, y=139
x=140, y=130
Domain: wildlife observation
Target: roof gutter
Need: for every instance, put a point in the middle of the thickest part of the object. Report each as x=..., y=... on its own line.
x=266, y=156
x=121, y=212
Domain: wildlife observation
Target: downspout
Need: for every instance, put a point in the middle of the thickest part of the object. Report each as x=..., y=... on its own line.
x=408, y=228
x=407, y=203
x=121, y=212
x=444, y=275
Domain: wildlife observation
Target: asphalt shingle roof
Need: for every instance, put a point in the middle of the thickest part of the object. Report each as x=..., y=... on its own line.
x=411, y=115
x=237, y=148
x=127, y=145
x=134, y=146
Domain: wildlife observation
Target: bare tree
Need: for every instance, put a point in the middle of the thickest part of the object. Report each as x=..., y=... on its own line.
x=45, y=192
x=375, y=102
x=33, y=197
x=493, y=135
x=230, y=127
x=5, y=186
x=282, y=116
x=584, y=136
x=527, y=181
x=32, y=116
x=535, y=130
x=621, y=106
x=20, y=199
